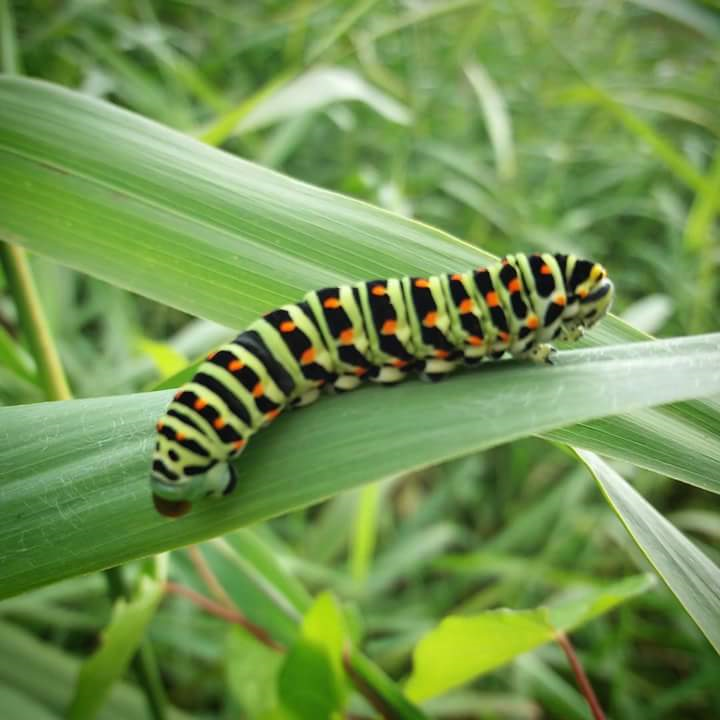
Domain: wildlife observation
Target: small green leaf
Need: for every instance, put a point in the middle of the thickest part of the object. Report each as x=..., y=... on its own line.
x=462, y=647
x=312, y=681
x=119, y=642
x=167, y=360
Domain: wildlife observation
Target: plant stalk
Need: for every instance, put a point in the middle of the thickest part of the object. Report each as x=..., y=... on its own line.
x=33, y=321
x=143, y=662
x=580, y=676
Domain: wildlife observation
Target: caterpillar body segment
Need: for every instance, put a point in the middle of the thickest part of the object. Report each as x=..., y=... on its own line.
x=380, y=331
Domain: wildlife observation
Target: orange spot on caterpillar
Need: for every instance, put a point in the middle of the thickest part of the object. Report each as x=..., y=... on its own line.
x=378, y=290
x=287, y=326
x=514, y=285
x=422, y=283
x=442, y=354
x=474, y=340
x=346, y=336
x=388, y=327
x=457, y=277
x=533, y=322
x=258, y=390
x=430, y=319
x=238, y=444
x=503, y=336
x=560, y=300
x=466, y=306
x=331, y=303
x=398, y=363
x=178, y=395
x=235, y=365
x=308, y=356
x=159, y=425
x=218, y=423
x=360, y=371
x=179, y=436
x=582, y=293
x=492, y=299
x=272, y=414
x=199, y=404
x=545, y=269
x=211, y=355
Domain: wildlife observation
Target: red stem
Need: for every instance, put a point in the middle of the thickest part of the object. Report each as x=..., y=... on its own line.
x=229, y=614
x=580, y=676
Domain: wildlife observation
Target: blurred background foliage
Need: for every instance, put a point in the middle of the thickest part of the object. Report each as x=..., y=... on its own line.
x=586, y=126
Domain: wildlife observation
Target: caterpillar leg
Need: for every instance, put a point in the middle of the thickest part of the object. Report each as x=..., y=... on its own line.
x=221, y=480
x=389, y=375
x=572, y=334
x=306, y=398
x=542, y=353
x=345, y=383
x=435, y=369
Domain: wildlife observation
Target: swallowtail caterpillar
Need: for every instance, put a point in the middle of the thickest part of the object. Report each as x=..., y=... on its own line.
x=379, y=331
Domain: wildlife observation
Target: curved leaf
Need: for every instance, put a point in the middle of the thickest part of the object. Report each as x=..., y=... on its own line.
x=688, y=572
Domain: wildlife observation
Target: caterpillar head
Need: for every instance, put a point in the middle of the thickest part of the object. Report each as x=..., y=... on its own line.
x=590, y=292
x=178, y=476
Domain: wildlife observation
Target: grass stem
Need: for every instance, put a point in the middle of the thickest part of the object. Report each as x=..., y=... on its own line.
x=33, y=321
x=144, y=664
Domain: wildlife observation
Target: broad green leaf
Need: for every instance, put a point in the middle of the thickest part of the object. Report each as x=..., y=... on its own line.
x=311, y=682
x=100, y=189
x=80, y=500
x=146, y=208
x=464, y=646
x=689, y=573
x=120, y=640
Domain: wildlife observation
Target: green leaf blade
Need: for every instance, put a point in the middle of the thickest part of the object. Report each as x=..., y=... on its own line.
x=83, y=502
x=688, y=572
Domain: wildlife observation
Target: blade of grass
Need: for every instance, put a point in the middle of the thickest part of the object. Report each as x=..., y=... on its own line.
x=364, y=532
x=691, y=575
x=496, y=118
x=81, y=501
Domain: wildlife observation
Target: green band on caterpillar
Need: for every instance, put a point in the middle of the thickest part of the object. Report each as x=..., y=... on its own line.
x=378, y=331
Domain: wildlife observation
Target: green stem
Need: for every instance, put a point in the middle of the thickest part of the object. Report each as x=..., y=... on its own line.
x=378, y=689
x=9, y=55
x=365, y=532
x=33, y=321
x=700, y=238
x=143, y=663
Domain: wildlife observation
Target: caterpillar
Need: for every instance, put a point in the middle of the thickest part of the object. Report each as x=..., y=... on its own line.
x=380, y=330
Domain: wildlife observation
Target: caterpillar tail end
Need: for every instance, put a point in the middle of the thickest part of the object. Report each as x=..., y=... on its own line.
x=171, y=508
